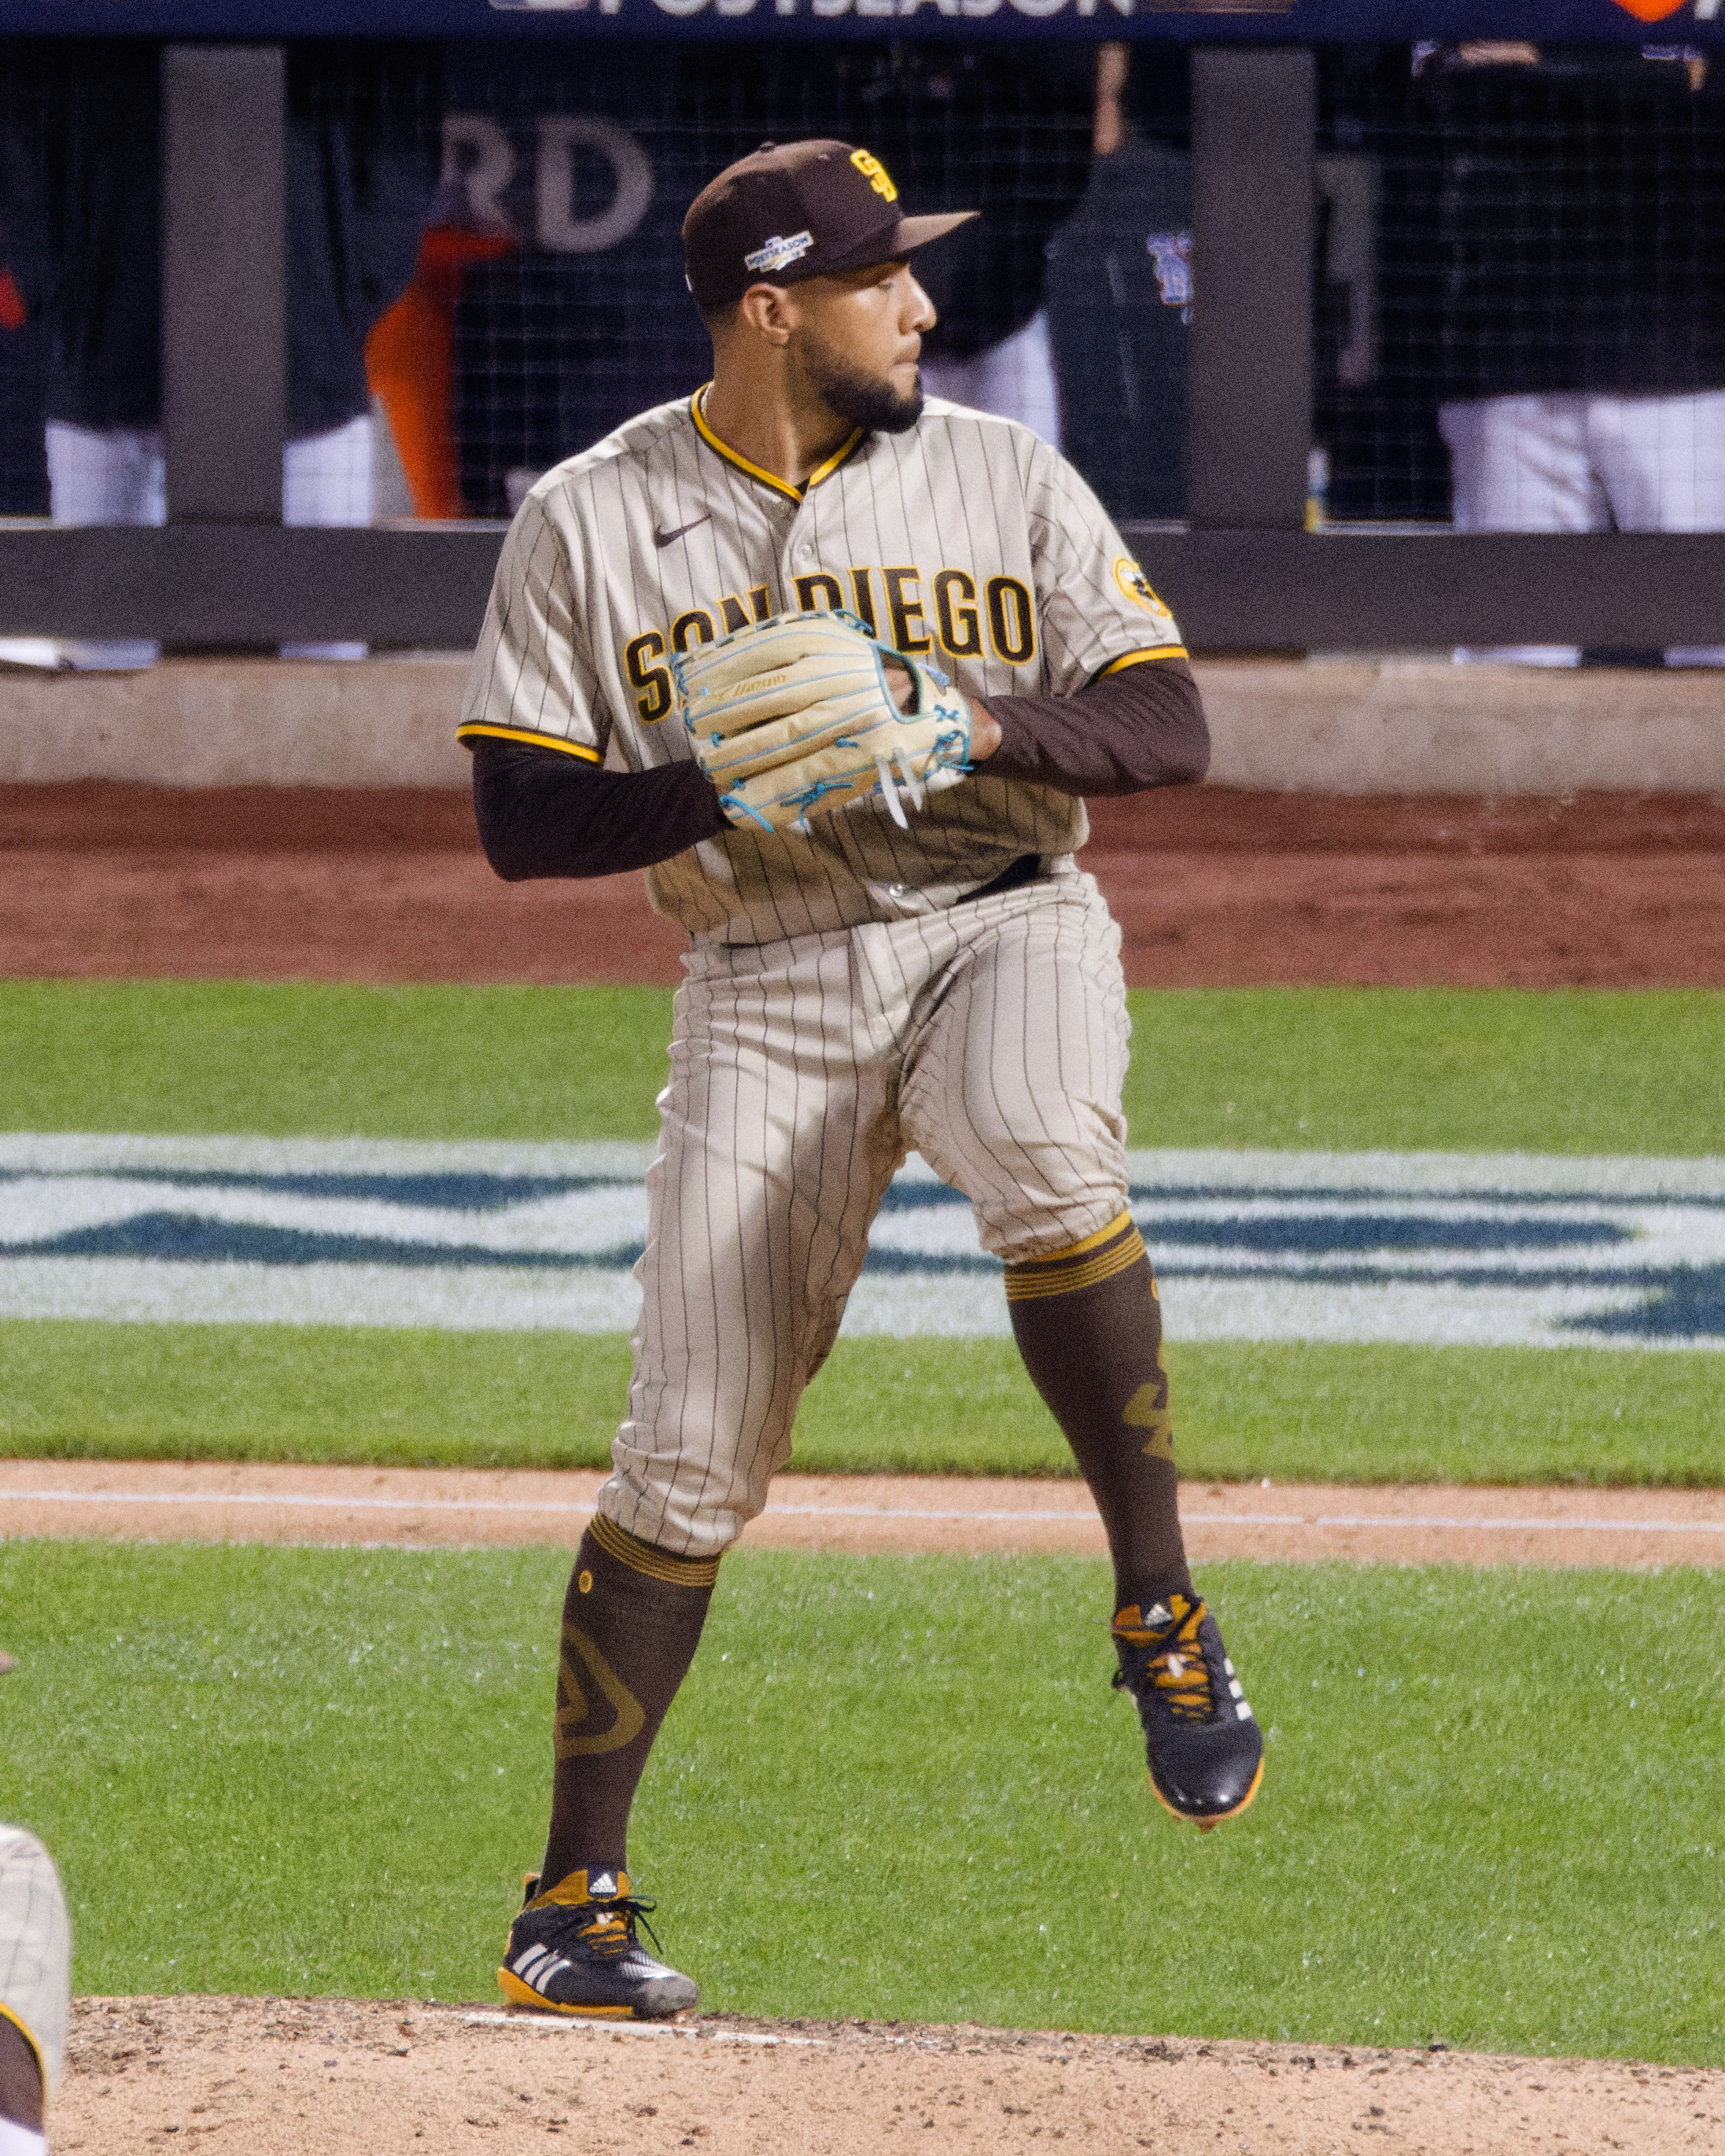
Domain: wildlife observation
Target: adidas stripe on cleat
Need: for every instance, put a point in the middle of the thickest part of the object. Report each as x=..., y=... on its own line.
x=573, y=1950
x=1205, y=1748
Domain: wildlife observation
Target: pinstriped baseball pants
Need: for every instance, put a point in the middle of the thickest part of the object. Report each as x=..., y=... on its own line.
x=991, y=1039
x=35, y=1948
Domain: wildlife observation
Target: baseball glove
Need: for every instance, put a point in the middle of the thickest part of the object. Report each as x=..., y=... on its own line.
x=795, y=715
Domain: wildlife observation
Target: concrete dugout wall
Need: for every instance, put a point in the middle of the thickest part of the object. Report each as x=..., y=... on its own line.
x=1345, y=725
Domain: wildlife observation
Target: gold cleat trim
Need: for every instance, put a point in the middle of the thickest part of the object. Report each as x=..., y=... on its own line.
x=523, y=1995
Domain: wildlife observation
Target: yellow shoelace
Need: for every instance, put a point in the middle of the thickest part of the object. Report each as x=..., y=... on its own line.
x=611, y=1930
x=1177, y=1670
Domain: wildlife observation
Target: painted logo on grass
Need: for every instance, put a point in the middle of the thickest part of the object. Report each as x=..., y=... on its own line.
x=1491, y=1250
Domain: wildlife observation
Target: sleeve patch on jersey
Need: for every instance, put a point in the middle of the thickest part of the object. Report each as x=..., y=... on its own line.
x=1135, y=586
x=475, y=727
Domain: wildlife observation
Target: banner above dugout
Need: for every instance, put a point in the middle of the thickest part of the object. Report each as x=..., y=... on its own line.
x=1698, y=23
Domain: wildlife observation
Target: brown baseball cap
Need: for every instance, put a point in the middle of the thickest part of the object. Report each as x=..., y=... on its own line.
x=796, y=211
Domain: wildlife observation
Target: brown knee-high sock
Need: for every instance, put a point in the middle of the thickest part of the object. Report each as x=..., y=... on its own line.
x=631, y=1621
x=1089, y=1326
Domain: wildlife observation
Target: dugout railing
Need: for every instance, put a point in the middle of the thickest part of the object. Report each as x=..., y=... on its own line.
x=1244, y=574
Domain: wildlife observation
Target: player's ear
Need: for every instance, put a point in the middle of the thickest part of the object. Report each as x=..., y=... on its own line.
x=768, y=311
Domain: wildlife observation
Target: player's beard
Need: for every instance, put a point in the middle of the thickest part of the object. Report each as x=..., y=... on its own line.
x=868, y=401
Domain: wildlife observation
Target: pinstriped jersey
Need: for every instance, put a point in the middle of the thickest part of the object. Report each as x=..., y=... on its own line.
x=965, y=540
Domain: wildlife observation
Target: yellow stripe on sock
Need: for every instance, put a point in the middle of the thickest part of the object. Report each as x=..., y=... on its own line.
x=1116, y=1226
x=1024, y=1285
x=649, y=1560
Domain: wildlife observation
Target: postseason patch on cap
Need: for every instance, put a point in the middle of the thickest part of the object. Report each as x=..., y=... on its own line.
x=779, y=252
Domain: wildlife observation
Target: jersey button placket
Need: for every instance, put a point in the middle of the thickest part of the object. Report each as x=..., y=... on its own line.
x=800, y=551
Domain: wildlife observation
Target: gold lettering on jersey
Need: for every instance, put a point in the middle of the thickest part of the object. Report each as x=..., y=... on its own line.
x=956, y=618
x=862, y=593
x=819, y=592
x=951, y=617
x=1012, y=620
x=875, y=173
x=655, y=680
x=905, y=607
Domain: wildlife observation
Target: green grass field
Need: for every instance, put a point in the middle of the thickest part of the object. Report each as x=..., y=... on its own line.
x=900, y=1787
x=1562, y=1072
x=70, y=1390
x=1572, y=1071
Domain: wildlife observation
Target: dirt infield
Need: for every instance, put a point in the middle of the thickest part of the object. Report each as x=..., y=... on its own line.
x=855, y=1515
x=281, y=2077
x=1212, y=887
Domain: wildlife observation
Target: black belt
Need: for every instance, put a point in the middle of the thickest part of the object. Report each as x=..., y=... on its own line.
x=1024, y=869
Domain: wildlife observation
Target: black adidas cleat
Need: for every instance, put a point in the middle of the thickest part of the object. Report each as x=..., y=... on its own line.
x=574, y=1951
x=1206, y=1749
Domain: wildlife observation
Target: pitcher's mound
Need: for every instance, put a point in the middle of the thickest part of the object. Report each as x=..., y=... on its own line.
x=312, y=2077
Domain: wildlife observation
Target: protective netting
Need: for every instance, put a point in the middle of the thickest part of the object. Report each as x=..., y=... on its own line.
x=577, y=171
x=495, y=230
x=1506, y=222
x=483, y=247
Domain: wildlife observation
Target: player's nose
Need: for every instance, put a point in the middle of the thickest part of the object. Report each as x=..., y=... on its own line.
x=920, y=315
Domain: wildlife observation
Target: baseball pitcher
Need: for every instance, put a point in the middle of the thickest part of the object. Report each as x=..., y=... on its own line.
x=860, y=656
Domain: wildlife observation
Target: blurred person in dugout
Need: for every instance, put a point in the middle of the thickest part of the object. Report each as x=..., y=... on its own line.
x=360, y=170
x=410, y=352
x=963, y=128
x=35, y=1986
x=1121, y=289
x=1581, y=235
x=957, y=127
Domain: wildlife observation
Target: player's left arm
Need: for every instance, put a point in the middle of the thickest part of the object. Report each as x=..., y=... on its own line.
x=1140, y=726
x=1123, y=712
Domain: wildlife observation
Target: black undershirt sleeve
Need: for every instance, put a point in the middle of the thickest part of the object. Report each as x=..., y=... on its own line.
x=1143, y=727
x=543, y=813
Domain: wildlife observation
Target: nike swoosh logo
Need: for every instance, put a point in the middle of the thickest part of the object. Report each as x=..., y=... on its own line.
x=665, y=538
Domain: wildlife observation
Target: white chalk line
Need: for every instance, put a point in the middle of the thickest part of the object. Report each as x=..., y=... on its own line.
x=301, y=1501
x=562, y=2024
